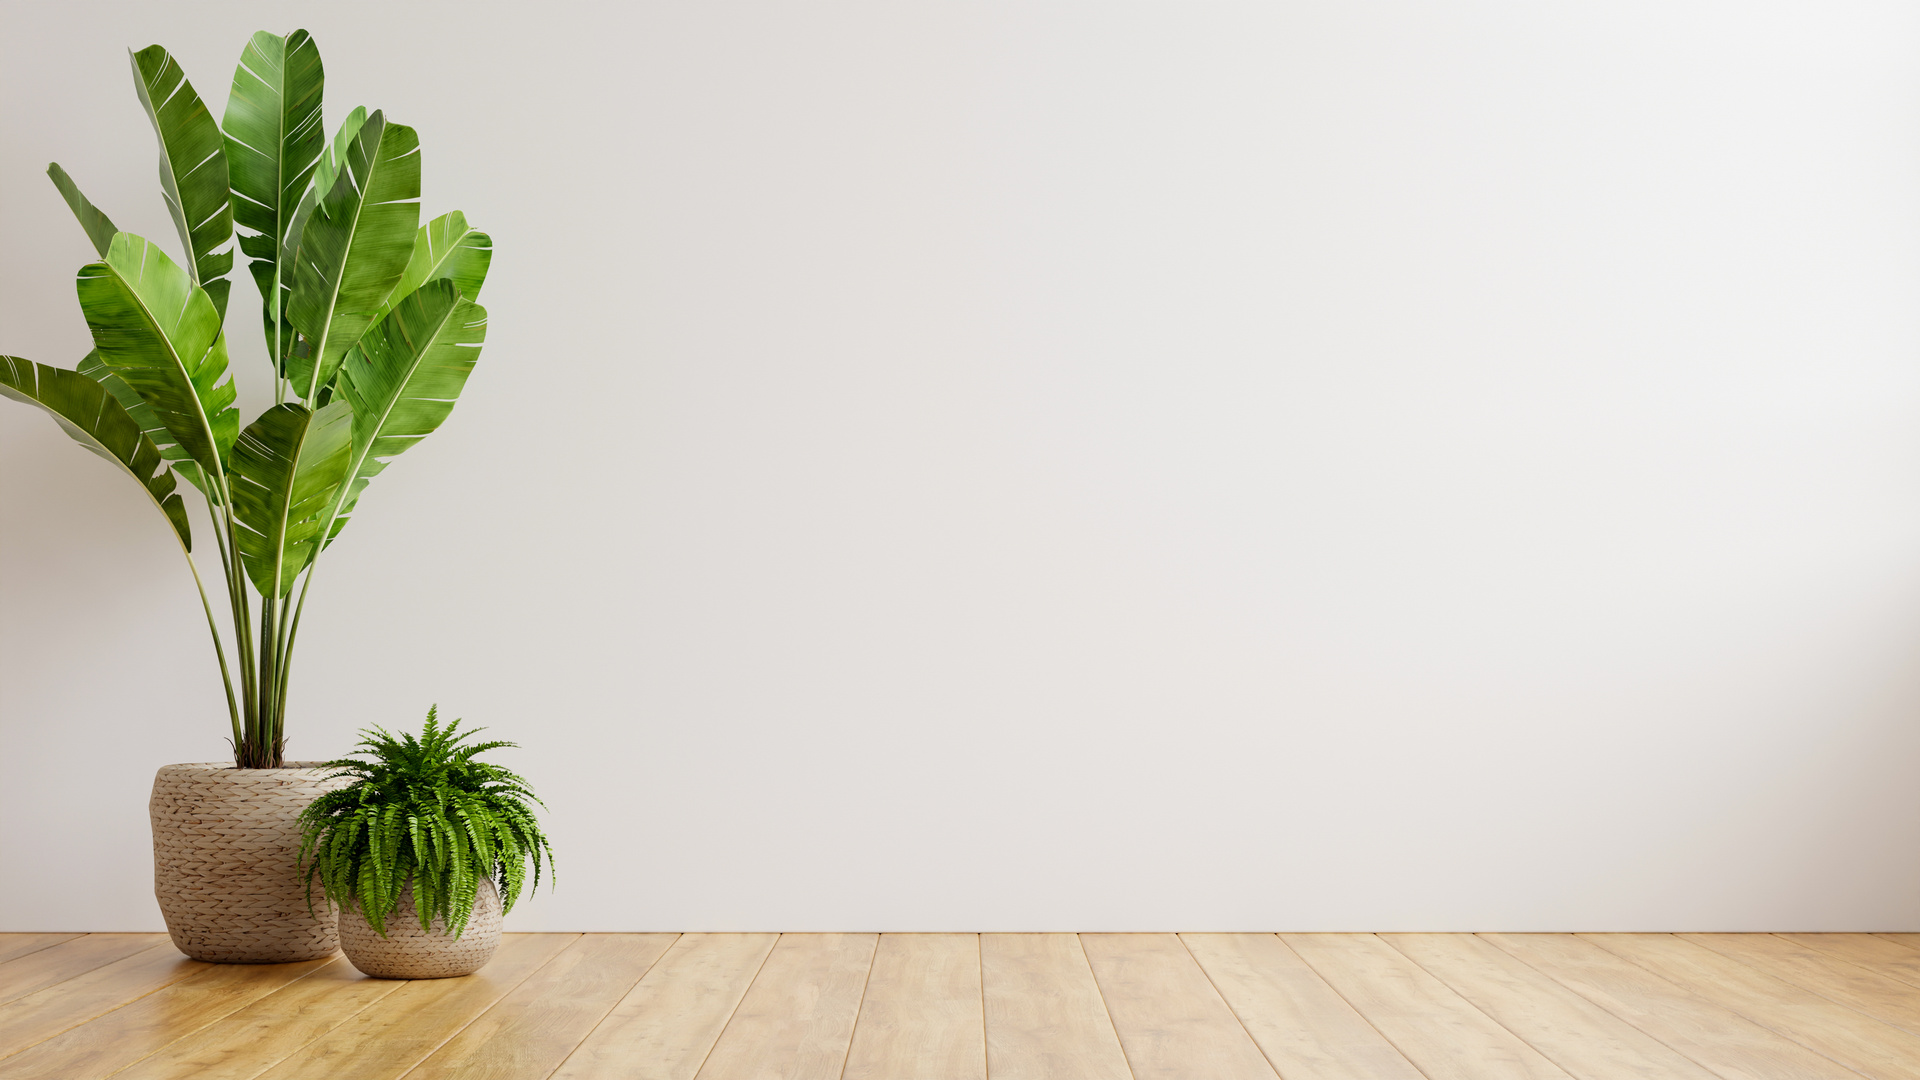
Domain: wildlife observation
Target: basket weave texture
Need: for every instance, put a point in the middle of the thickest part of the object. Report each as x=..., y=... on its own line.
x=226, y=850
x=408, y=952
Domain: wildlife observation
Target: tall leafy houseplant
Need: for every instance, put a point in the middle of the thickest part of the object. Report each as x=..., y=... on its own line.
x=369, y=317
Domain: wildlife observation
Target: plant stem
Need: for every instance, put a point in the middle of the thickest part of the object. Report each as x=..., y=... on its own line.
x=293, y=629
x=218, y=512
x=279, y=358
x=268, y=664
x=213, y=627
x=219, y=649
x=276, y=705
x=249, y=754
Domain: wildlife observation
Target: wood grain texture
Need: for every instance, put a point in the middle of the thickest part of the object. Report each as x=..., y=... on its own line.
x=1572, y=1032
x=1710, y=1034
x=1045, y=1017
x=923, y=1016
x=530, y=1032
x=1444, y=1036
x=260, y=1036
x=1303, y=1027
x=666, y=1025
x=1911, y=941
x=121, y=1037
x=41, y=1015
x=385, y=1041
x=796, y=1021
x=1851, y=1038
x=1889, y=958
x=15, y=946
x=1172, y=1023
x=70, y=959
x=1834, y=979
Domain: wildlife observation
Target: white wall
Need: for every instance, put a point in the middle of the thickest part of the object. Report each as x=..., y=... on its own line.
x=1010, y=466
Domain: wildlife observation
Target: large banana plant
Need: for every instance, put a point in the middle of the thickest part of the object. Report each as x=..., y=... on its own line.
x=370, y=321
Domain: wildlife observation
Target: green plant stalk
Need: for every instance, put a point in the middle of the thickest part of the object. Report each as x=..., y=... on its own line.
x=269, y=669
x=216, y=514
x=292, y=631
x=249, y=754
x=219, y=649
x=279, y=357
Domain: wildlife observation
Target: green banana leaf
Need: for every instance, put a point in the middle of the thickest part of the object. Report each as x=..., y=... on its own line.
x=159, y=332
x=287, y=468
x=354, y=249
x=193, y=169
x=402, y=381
x=99, y=229
x=274, y=141
x=85, y=410
x=446, y=247
x=326, y=169
x=93, y=367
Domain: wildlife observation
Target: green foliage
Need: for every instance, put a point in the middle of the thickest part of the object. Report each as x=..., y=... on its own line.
x=287, y=467
x=446, y=247
x=274, y=143
x=84, y=409
x=423, y=811
x=160, y=333
x=402, y=380
x=354, y=248
x=369, y=319
x=193, y=169
x=100, y=227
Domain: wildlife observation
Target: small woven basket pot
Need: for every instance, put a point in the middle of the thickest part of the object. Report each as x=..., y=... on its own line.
x=408, y=952
x=226, y=852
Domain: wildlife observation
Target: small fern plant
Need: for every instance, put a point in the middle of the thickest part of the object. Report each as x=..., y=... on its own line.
x=423, y=811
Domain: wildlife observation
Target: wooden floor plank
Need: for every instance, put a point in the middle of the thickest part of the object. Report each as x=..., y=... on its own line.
x=922, y=1017
x=1045, y=1018
x=15, y=946
x=385, y=1041
x=1008, y=1006
x=260, y=1036
x=532, y=1030
x=71, y=959
x=1572, y=1032
x=666, y=1025
x=1299, y=1022
x=1708, y=1033
x=1836, y=980
x=119, y=1038
x=1439, y=1031
x=1889, y=958
x=1851, y=1038
x=1172, y=1023
x=796, y=1020
x=41, y=1015
x=1911, y=941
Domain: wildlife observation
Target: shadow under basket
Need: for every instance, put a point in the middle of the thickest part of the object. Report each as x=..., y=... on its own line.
x=226, y=849
x=408, y=952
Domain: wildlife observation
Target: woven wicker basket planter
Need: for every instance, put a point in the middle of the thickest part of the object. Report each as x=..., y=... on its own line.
x=408, y=952
x=226, y=849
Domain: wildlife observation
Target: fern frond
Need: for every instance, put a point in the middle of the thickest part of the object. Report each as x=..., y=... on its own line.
x=423, y=812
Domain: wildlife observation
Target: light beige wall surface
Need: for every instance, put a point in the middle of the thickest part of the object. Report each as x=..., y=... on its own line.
x=1010, y=466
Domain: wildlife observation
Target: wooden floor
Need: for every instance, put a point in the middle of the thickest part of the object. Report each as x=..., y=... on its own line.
x=1006, y=1006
